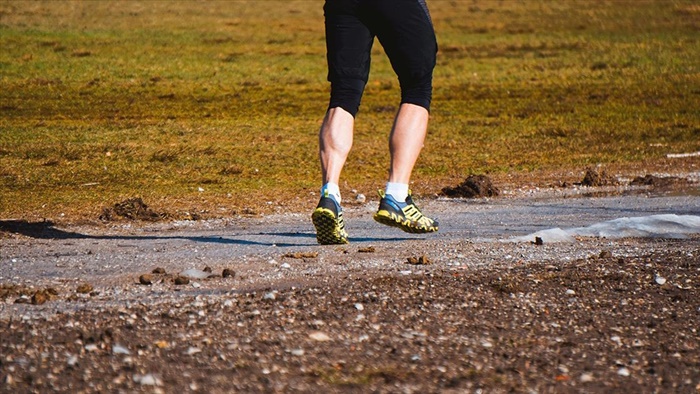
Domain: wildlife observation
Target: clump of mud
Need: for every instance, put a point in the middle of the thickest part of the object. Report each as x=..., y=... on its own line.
x=473, y=187
x=594, y=177
x=661, y=182
x=133, y=209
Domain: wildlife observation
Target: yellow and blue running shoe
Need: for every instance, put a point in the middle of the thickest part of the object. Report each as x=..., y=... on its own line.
x=404, y=215
x=328, y=220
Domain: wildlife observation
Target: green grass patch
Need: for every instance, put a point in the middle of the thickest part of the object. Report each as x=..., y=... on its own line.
x=217, y=105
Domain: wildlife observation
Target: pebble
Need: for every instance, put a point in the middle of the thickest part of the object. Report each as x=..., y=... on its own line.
x=360, y=198
x=359, y=307
x=84, y=288
x=118, y=349
x=228, y=273
x=72, y=361
x=196, y=285
x=586, y=377
x=297, y=352
x=570, y=292
x=194, y=273
x=181, y=280
x=145, y=279
x=193, y=350
x=39, y=298
x=319, y=336
x=623, y=371
x=91, y=347
x=269, y=296
x=285, y=265
x=158, y=270
x=148, y=380
x=660, y=280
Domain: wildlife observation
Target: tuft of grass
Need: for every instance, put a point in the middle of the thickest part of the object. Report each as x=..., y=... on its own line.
x=104, y=101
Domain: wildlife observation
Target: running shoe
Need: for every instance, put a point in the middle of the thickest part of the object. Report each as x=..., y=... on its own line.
x=328, y=220
x=404, y=215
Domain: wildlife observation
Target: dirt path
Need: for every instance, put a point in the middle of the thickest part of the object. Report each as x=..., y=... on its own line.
x=595, y=314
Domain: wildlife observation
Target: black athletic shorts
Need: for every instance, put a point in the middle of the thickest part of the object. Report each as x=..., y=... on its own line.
x=404, y=29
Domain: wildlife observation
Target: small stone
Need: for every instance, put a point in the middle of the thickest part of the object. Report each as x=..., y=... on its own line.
x=359, y=307
x=319, y=336
x=158, y=271
x=194, y=273
x=84, y=288
x=193, y=350
x=228, y=273
x=161, y=344
x=570, y=292
x=72, y=361
x=119, y=349
x=623, y=371
x=146, y=279
x=148, y=380
x=605, y=254
x=269, y=296
x=181, y=280
x=422, y=260
x=660, y=280
x=196, y=285
x=208, y=269
x=285, y=265
x=40, y=297
x=91, y=347
x=360, y=198
x=539, y=241
x=586, y=377
x=297, y=352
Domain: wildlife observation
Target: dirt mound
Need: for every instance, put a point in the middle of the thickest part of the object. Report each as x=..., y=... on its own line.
x=594, y=177
x=655, y=181
x=473, y=187
x=133, y=209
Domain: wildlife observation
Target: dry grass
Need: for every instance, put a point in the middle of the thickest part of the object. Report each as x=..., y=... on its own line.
x=215, y=106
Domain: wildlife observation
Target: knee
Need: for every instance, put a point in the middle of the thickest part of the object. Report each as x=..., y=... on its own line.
x=417, y=90
x=346, y=93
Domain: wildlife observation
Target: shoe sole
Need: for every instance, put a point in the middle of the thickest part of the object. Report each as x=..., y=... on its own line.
x=327, y=230
x=390, y=219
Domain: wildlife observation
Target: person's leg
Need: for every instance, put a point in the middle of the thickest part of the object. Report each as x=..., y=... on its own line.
x=408, y=38
x=348, y=44
x=335, y=141
x=406, y=141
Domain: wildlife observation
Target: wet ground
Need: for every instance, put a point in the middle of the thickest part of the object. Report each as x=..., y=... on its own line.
x=463, y=310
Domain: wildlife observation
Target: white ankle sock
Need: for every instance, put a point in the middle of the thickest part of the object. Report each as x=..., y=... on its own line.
x=333, y=190
x=397, y=190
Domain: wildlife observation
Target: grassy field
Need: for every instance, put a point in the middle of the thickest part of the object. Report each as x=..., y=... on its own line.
x=214, y=106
